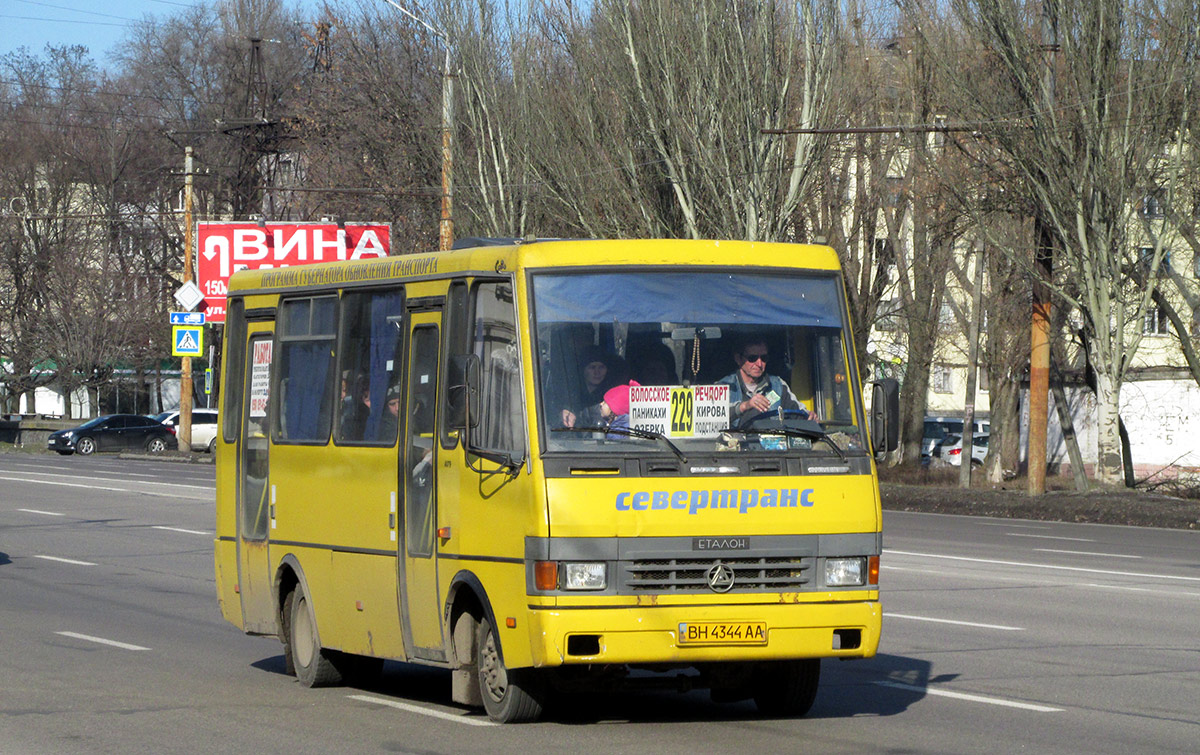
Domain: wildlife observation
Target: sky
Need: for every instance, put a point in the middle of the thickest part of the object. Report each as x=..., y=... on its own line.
x=95, y=24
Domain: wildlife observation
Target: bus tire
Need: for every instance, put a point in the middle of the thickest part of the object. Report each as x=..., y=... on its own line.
x=509, y=695
x=787, y=688
x=312, y=662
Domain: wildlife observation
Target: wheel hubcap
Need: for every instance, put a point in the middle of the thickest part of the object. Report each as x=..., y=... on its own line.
x=302, y=636
x=495, y=678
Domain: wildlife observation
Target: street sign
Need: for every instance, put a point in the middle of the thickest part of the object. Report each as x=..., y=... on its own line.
x=187, y=318
x=189, y=296
x=223, y=248
x=187, y=340
x=208, y=377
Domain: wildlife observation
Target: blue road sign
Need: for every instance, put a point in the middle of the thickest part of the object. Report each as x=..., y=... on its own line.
x=187, y=318
x=187, y=341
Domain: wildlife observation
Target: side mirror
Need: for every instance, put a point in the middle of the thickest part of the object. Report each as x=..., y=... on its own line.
x=885, y=415
x=462, y=397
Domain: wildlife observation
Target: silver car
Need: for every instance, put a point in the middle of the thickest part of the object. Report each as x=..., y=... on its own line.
x=204, y=427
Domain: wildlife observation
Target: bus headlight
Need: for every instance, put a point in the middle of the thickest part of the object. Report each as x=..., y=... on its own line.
x=585, y=576
x=844, y=572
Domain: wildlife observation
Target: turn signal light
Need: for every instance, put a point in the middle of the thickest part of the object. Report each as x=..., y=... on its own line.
x=873, y=570
x=545, y=575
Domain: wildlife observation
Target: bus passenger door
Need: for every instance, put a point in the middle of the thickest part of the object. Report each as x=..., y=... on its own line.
x=420, y=597
x=253, y=488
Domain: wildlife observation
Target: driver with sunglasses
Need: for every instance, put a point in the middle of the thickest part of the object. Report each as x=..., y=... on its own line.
x=752, y=390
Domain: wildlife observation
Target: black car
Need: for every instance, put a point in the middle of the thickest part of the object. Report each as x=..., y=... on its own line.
x=115, y=432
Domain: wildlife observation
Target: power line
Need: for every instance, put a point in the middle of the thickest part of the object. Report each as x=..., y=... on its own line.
x=74, y=10
x=63, y=20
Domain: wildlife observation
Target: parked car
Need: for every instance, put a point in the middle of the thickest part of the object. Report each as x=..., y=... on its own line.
x=114, y=432
x=950, y=450
x=204, y=427
x=937, y=429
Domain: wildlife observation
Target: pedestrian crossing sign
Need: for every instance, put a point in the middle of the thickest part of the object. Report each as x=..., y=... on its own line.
x=187, y=340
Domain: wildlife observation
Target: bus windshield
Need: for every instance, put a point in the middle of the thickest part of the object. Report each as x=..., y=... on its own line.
x=713, y=361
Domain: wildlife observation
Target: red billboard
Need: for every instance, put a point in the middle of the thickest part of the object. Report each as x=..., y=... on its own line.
x=223, y=248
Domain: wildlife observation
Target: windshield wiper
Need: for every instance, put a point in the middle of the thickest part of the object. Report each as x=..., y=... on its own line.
x=812, y=433
x=632, y=432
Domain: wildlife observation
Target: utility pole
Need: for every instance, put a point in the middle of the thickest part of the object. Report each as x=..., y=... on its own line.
x=968, y=436
x=185, y=369
x=1039, y=336
x=446, y=226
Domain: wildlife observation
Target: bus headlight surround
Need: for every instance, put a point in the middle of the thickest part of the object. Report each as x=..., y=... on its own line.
x=585, y=576
x=845, y=572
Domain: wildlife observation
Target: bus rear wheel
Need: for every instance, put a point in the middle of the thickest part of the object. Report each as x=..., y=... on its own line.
x=509, y=695
x=787, y=688
x=313, y=664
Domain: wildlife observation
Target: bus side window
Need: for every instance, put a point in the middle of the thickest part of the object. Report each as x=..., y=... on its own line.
x=306, y=340
x=454, y=329
x=235, y=370
x=371, y=321
x=501, y=424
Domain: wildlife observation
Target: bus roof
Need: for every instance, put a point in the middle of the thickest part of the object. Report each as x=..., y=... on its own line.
x=490, y=258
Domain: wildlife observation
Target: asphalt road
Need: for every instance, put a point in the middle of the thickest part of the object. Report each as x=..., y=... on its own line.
x=999, y=636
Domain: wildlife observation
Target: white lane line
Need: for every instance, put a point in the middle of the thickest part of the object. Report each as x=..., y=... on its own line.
x=180, y=529
x=972, y=698
x=1051, y=537
x=956, y=623
x=64, y=484
x=1011, y=525
x=102, y=641
x=1043, y=566
x=458, y=718
x=122, y=478
x=1084, y=553
x=66, y=560
x=1172, y=593
x=46, y=513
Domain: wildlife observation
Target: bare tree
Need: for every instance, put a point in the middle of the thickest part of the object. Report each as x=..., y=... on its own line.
x=666, y=102
x=1082, y=127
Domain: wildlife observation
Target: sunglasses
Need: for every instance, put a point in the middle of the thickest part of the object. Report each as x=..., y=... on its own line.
x=755, y=357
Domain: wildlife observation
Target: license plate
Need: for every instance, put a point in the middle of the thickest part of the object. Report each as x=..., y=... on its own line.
x=723, y=633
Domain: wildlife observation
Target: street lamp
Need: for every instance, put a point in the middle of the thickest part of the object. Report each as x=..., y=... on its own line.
x=446, y=227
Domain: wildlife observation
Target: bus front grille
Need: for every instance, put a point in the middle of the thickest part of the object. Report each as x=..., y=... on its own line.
x=692, y=574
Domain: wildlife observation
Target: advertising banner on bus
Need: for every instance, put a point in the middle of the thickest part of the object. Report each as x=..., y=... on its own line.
x=222, y=248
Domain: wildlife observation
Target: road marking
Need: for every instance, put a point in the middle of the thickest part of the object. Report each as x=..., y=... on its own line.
x=64, y=484
x=47, y=513
x=1084, y=553
x=180, y=529
x=66, y=560
x=1051, y=537
x=102, y=641
x=952, y=621
x=1043, y=566
x=971, y=698
x=114, y=479
x=458, y=718
x=1172, y=593
x=1010, y=525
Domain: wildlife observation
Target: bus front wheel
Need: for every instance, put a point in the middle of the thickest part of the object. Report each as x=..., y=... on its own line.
x=312, y=663
x=787, y=688
x=509, y=695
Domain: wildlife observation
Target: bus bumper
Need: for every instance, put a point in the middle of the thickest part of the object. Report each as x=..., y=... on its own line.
x=652, y=634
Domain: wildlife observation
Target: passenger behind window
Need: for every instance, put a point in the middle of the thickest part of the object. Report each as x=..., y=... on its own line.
x=598, y=372
x=654, y=364
x=391, y=415
x=615, y=409
x=356, y=405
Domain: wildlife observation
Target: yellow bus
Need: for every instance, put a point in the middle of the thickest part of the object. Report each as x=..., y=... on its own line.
x=547, y=464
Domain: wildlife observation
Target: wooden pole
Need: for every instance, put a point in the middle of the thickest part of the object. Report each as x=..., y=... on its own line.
x=185, y=369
